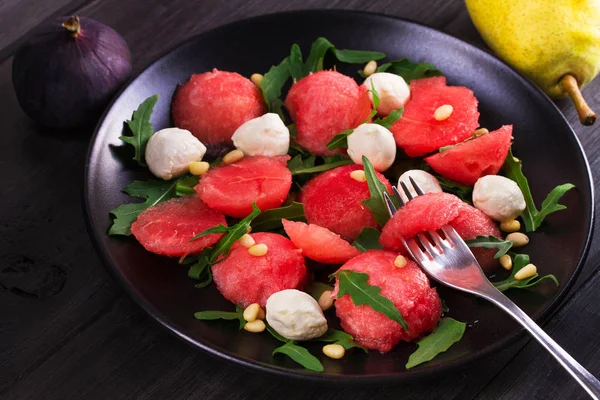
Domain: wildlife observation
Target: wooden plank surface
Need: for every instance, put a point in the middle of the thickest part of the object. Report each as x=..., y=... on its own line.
x=66, y=329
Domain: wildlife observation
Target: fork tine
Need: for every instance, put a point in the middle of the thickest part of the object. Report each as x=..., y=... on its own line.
x=406, y=191
x=427, y=244
x=451, y=235
x=417, y=188
x=437, y=239
x=397, y=196
x=415, y=251
x=390, y=204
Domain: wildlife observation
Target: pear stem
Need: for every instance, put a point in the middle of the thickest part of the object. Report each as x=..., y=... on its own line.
x=569, y=85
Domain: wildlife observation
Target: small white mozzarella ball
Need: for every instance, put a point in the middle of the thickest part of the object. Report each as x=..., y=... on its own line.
x=263, y=136
x=170, y=152
x=374, y=141
x=392, y=90
x=295, y=315
x=498, y=197
x=426, y=182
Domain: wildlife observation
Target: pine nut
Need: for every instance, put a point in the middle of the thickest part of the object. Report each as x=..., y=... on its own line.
x=443, y=112
x=480, y=132
x=261, y=314
x=370, y=68
x=358, y=175
x=334, y=351
x=199, y=167
x=400, y=262
x=506, y=262
x=510, y=226
x=247, y=241
x=518, y=239
x=258, y=250
x=257, y=79
x=255, y=326
x=251, y=312
x=325, y=301
x=233, y=156
x=526, y=272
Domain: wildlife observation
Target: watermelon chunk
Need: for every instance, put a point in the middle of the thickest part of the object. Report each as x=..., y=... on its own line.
x=324, y=104
x=167, y=227
x=214, y=104
x=244, y=279
x=408, y=288
x=318, y=243
x=418, y=133
x=333, y=200
x=232, y=188
x=469, y=161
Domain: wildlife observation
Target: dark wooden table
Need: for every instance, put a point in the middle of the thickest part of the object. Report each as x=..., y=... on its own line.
x=68, y=332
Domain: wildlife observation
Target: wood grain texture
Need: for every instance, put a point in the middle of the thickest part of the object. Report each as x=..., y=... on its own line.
x=66, y=329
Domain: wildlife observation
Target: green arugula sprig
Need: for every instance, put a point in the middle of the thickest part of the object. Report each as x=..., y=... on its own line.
x=368, y=239
x=490, y=242
x=296, y=352
x=271, y=219
x=520, y=261
x=322, y=46
x=448, y=332
x=408, y=70
x=355, y=284
x=185, y=185
x=302, y=166
x=335, y=336
x=463, y=192
x=375, y=203
x=141, y=129
x=226, y=315
x=392, y=117
x=532, y=217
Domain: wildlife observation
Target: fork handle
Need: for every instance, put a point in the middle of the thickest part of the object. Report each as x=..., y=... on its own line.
x=583, y=376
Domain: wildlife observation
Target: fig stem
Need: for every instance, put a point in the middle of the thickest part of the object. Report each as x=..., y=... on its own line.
x=569, y=85
x=72, y=25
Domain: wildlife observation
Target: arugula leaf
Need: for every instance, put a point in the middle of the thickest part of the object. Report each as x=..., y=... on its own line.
x=520, y=261
x=300, y=355
x=448, y=332
x=463, y=192
x=392, y=117
x=321, y=46
x=152, y=191
x=355, y=284
x=185, y=185
x=491, y=242
x=368, y=239
x=299, y=166
x=316, y=289
x=340, y=140
x=296, y=67
x=200, y=270
x=273, y=82
x=271, y=219
x=339, y=337
x=141, y=129
x=409, y=70
x=375, y=203
x=227, y=315
x=533, y=218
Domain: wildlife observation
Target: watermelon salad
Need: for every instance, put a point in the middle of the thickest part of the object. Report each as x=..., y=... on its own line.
x=272, y=187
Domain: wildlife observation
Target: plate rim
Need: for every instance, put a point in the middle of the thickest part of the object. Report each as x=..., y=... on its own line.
x=349, y=380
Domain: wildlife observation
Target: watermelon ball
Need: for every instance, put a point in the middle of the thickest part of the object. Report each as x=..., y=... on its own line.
x=212, y=105
x=418, y=132
x=324, y=104
x=407, y=287
x=469, y=161
x=167, y=227
x=232, y=188
x=243, y=278
x=318, y=243
x=334, y=199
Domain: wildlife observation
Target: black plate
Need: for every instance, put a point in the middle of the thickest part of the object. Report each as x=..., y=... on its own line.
x=543, y=139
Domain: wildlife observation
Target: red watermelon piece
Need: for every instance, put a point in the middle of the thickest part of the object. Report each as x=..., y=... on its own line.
x=469, y=161
x=318, y=243
x=232, y=188
x=324, y=104
x=333, y=200
x=167, y=227
x=408, y=288
x=418, y=133
x=214, y=104
x=244, y=279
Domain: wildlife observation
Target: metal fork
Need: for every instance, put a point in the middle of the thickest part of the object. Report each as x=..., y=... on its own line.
x=449, y=261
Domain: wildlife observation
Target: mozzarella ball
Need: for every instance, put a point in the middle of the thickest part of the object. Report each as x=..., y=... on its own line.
x=498, y=197
x=170, y=151
x=374, y=141
x=263, y=136
x=295, y=315
x=392, y=90
x=426, y=182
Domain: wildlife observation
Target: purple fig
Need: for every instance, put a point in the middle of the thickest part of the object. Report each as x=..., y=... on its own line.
x=67, y=73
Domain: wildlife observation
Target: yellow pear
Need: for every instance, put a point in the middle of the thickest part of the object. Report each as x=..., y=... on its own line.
x=556, y=43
